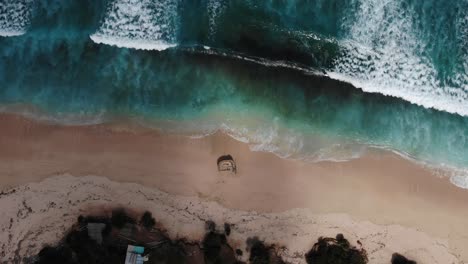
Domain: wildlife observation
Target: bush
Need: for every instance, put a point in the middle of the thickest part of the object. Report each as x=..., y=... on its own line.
x=259, y=253
x=400, y=259
x=227, y=229
x=86, y=250
x=147, y=220
x=59, y=255
x=120, y=218
x=212, y=246
x=210, y=226
x=216, y=250
x=335, y=251
x=168, y=253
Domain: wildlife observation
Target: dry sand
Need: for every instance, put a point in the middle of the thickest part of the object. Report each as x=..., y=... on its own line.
x=387, y=202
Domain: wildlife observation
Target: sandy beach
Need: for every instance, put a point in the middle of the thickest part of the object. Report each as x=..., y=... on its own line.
x=387, y=202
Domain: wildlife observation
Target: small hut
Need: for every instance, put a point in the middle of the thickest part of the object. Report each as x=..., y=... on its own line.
x=134, y=255
x=226, y=163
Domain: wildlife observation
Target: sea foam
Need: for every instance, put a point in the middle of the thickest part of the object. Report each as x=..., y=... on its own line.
x=214, y=8
x=149, y=25
x=14, y=17
x=385, y=52
x=123, y=42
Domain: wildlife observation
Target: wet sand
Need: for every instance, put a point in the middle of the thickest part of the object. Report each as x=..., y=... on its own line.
x=381, y=187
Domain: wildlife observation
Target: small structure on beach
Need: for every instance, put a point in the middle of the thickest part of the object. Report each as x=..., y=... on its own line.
x=134, y=255
x=227, y=163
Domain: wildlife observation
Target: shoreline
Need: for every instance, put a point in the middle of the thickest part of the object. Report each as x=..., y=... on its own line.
x=178, y=128
x=379, y=187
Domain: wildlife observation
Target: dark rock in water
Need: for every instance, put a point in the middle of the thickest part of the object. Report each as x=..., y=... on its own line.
x=335, y=251
x=400, y=259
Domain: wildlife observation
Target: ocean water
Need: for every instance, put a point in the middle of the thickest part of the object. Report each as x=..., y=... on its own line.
x=315, y=80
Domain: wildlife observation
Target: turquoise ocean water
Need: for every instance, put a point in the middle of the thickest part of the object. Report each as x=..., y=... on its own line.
x=322, y=79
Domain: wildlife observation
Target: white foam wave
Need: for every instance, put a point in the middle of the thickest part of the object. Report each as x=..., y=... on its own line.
x=215, y=8
x=139, y=24
x=11, y=33
x=290, y=144
x=460, y=180
x=274, y=137
x=462, y=33
x=14, y=17
x=123, y=42
x=266, y=137
x=384, y=54
x=428, y=99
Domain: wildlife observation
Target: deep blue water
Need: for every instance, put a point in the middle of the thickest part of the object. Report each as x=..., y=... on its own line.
x=192, y=62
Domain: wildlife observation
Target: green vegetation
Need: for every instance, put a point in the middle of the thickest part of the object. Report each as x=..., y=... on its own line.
x=216, y=249
x=335, y=251
x=120, y=218
x=227, y=229
x=147, y=220
x=259, y=253
x=121, y=230
x=168, y=253
x=400, y=259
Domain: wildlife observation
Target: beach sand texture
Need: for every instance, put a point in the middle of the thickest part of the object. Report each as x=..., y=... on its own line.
x=387, y=202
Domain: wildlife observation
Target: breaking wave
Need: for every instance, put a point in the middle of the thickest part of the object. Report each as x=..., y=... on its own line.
x=387, y=51
x=14, y=17
x=147, y=24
